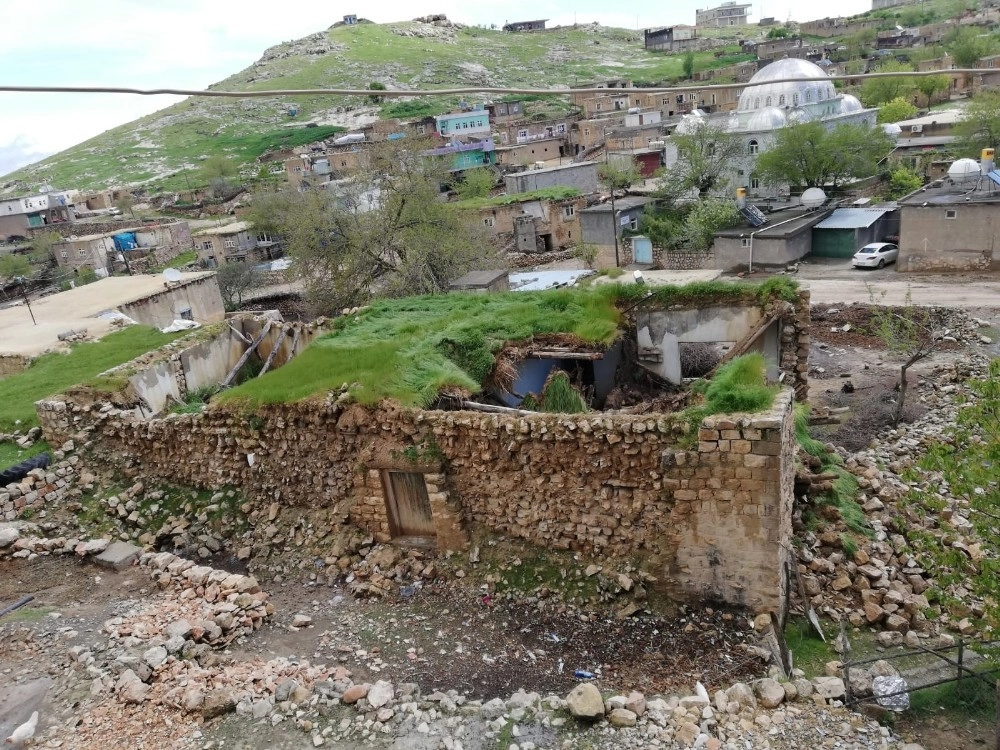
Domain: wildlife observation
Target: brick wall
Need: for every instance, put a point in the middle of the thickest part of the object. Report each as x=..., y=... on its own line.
x=603, y=484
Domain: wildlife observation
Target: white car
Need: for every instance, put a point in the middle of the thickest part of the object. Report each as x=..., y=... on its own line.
x=875, y=255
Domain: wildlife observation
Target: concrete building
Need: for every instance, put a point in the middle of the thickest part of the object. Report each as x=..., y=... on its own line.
x=234, y=243
x=481, y=282
x=474, y=122
x=786, y=238
x=728, y=14
x=951, y=227
x=600, y=225
x=847, y=230
x=579, y=175
x=673, y=39
x=145, y=246
x=18, y=215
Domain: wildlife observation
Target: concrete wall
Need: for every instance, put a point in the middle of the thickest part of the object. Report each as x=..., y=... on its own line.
x=767, y=251
x=605, y=485
x=582, y=176
x=201, y=296
x=929, y=241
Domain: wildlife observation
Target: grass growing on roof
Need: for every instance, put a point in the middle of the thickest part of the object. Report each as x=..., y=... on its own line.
x=409, y=349
x=52, y=373
x=706, y=292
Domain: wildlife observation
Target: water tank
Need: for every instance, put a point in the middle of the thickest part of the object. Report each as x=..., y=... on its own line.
x=964, y=172
x=634, y=110
x=813, y=198
x=892, y=130
x=346, y=139
x=986, y=162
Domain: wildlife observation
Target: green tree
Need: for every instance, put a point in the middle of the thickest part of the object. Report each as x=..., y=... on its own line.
x=385, y=233
x=375, y=98
x=42, y=246
x=929, y=86
x=809, y=155
x=13, y=265
x=688, y=64
x=906, y=332
x=474, y=183
x=618, y=175
x=779, y=32
x=126, y=203
x=878, y=91
x=860, y=42
x=235, y=280
x=707, y=217
x=705, y=158
x=903, y=181
x=218, y=167
x=979, y=126
x=896, y=110
x=966, y=45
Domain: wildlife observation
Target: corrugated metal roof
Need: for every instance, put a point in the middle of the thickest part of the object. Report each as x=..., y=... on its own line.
x=853, y=218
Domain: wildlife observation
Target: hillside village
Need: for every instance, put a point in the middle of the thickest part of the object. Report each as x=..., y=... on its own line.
x=659, y=411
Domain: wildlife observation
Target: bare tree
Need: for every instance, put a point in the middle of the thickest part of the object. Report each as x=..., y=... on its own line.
x=235, y=280
x=907, y=332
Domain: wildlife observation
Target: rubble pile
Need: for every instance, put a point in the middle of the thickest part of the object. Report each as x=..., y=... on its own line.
x=883, y=584
x=40, y=487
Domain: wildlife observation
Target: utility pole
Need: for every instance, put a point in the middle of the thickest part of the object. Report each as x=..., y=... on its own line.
x=614, y=225
x=27, y=301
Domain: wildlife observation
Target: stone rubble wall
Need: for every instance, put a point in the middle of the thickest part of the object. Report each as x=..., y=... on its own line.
x=603, y=484
x=39, y=488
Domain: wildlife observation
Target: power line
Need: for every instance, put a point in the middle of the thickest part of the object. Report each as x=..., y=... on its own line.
x=209, y=93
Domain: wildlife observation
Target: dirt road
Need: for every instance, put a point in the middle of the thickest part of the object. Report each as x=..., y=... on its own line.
x=833, y=281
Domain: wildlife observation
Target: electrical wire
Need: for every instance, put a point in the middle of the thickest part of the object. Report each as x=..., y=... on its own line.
x=395, y=93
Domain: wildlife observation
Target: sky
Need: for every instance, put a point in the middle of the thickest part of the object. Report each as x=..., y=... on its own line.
x=193, y=43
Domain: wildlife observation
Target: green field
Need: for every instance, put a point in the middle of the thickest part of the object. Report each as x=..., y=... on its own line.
x=52, y=373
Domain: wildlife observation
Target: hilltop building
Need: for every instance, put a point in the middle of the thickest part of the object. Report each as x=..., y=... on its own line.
x=728, y=14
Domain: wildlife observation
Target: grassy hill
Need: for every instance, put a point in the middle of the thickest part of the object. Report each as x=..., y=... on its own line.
x=163, y=150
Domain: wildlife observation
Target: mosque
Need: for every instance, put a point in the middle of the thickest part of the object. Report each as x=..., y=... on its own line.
x=778, y=95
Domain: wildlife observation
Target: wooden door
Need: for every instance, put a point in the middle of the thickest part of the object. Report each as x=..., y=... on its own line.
x=407, y=503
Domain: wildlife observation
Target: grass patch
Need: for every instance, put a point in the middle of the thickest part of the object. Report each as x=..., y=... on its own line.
x=410, y=349
x=707, y=292
x=179, y=261
x=53, y=373
x=969, y=699
x=27, y=613
x=548, y=194
x=11, y=453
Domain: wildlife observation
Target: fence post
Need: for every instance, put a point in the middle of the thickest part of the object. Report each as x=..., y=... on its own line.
x=961, y=657
x=847, y=664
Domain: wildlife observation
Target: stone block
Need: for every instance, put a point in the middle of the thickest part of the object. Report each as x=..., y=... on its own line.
x=118, y=555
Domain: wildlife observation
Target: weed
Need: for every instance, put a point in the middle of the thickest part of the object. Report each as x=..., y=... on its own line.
x=27, y=614
x=849, y=546
x=560, y=397
x=11, y=453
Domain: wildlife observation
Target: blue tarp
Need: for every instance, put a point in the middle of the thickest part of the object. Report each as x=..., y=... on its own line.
x=125, y=241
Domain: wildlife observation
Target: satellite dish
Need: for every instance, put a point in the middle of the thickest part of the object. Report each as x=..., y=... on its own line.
x=813, y=198
x=172, y=275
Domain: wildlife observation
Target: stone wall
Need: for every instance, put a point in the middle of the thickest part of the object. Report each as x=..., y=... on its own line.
x=603, y=484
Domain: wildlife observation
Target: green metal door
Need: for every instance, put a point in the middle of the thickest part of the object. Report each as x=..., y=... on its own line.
x=833, y=243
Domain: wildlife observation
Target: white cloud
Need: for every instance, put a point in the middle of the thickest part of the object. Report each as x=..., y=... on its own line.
x=17, y=153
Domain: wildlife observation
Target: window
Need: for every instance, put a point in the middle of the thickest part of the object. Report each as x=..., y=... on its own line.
x=781, y=100
x=83, y=253
x=64, y=254
x=186, y=314
x=753, y=147
x=754, y=182
x=713, y=98
x=951, y=213
x=795, y=99
x=634, y=224
x=343, y=163
x=523, y=133
x=809, y=95
x=561, y=128
x=767, y=102
x=745, y=241
x=586, y=131
x=489, y=221
x=568, y=211
x=421, y=129
x=665, y=101
x=756, y=102
x=264, y=237
x=206, y=245
x=229, y=242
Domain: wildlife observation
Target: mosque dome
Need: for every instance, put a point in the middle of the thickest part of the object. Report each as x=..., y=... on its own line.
x=762, y=91
x=850, y=104
x=690, y=123
x=797, y=116
x=768, y=118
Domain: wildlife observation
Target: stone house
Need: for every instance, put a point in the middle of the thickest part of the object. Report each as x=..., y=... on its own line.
x=673, y=39
x=726, y=14
x=472, y=122
x=535, y=225
x=600, y=226
x=518, y=26
x=946, y=227
x=20, y=214
x=505, y=111
x=145, y=246
x=786, y=238
x=579, y=175
x=234, y=243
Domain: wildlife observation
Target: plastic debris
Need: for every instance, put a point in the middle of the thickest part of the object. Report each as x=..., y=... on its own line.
x=884, y=688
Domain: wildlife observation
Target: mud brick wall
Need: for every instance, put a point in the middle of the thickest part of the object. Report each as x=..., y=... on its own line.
x=710, y=522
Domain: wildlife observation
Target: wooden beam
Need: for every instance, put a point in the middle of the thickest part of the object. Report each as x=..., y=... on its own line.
x=473, y=406
x=246, y=355
x=555, y=354
x=239, y=334
x=274, y=350
x=295, y=342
